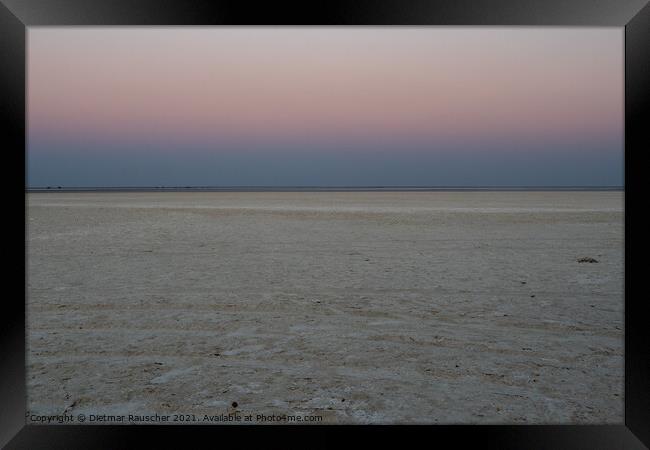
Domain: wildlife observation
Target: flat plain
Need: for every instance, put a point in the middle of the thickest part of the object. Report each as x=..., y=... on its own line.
x=375, y=307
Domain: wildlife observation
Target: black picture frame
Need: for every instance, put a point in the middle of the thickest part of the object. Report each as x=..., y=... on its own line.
x=634, y=15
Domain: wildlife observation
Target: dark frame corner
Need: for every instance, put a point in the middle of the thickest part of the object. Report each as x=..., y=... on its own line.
x=634, y=15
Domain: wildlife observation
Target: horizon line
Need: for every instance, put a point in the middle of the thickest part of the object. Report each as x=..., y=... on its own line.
x=268, y=188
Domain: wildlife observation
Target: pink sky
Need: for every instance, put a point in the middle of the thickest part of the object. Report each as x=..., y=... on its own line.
x=265, y=82
x=255, y=86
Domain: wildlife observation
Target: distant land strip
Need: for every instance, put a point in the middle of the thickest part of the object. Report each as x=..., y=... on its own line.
x=315, y=188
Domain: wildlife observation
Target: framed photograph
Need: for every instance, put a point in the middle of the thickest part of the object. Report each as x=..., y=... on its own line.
x=315, y=216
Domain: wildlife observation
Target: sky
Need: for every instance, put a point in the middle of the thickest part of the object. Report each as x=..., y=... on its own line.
x=325, y=106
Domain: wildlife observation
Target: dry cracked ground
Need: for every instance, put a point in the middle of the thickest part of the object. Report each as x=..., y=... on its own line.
x=411, y=307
